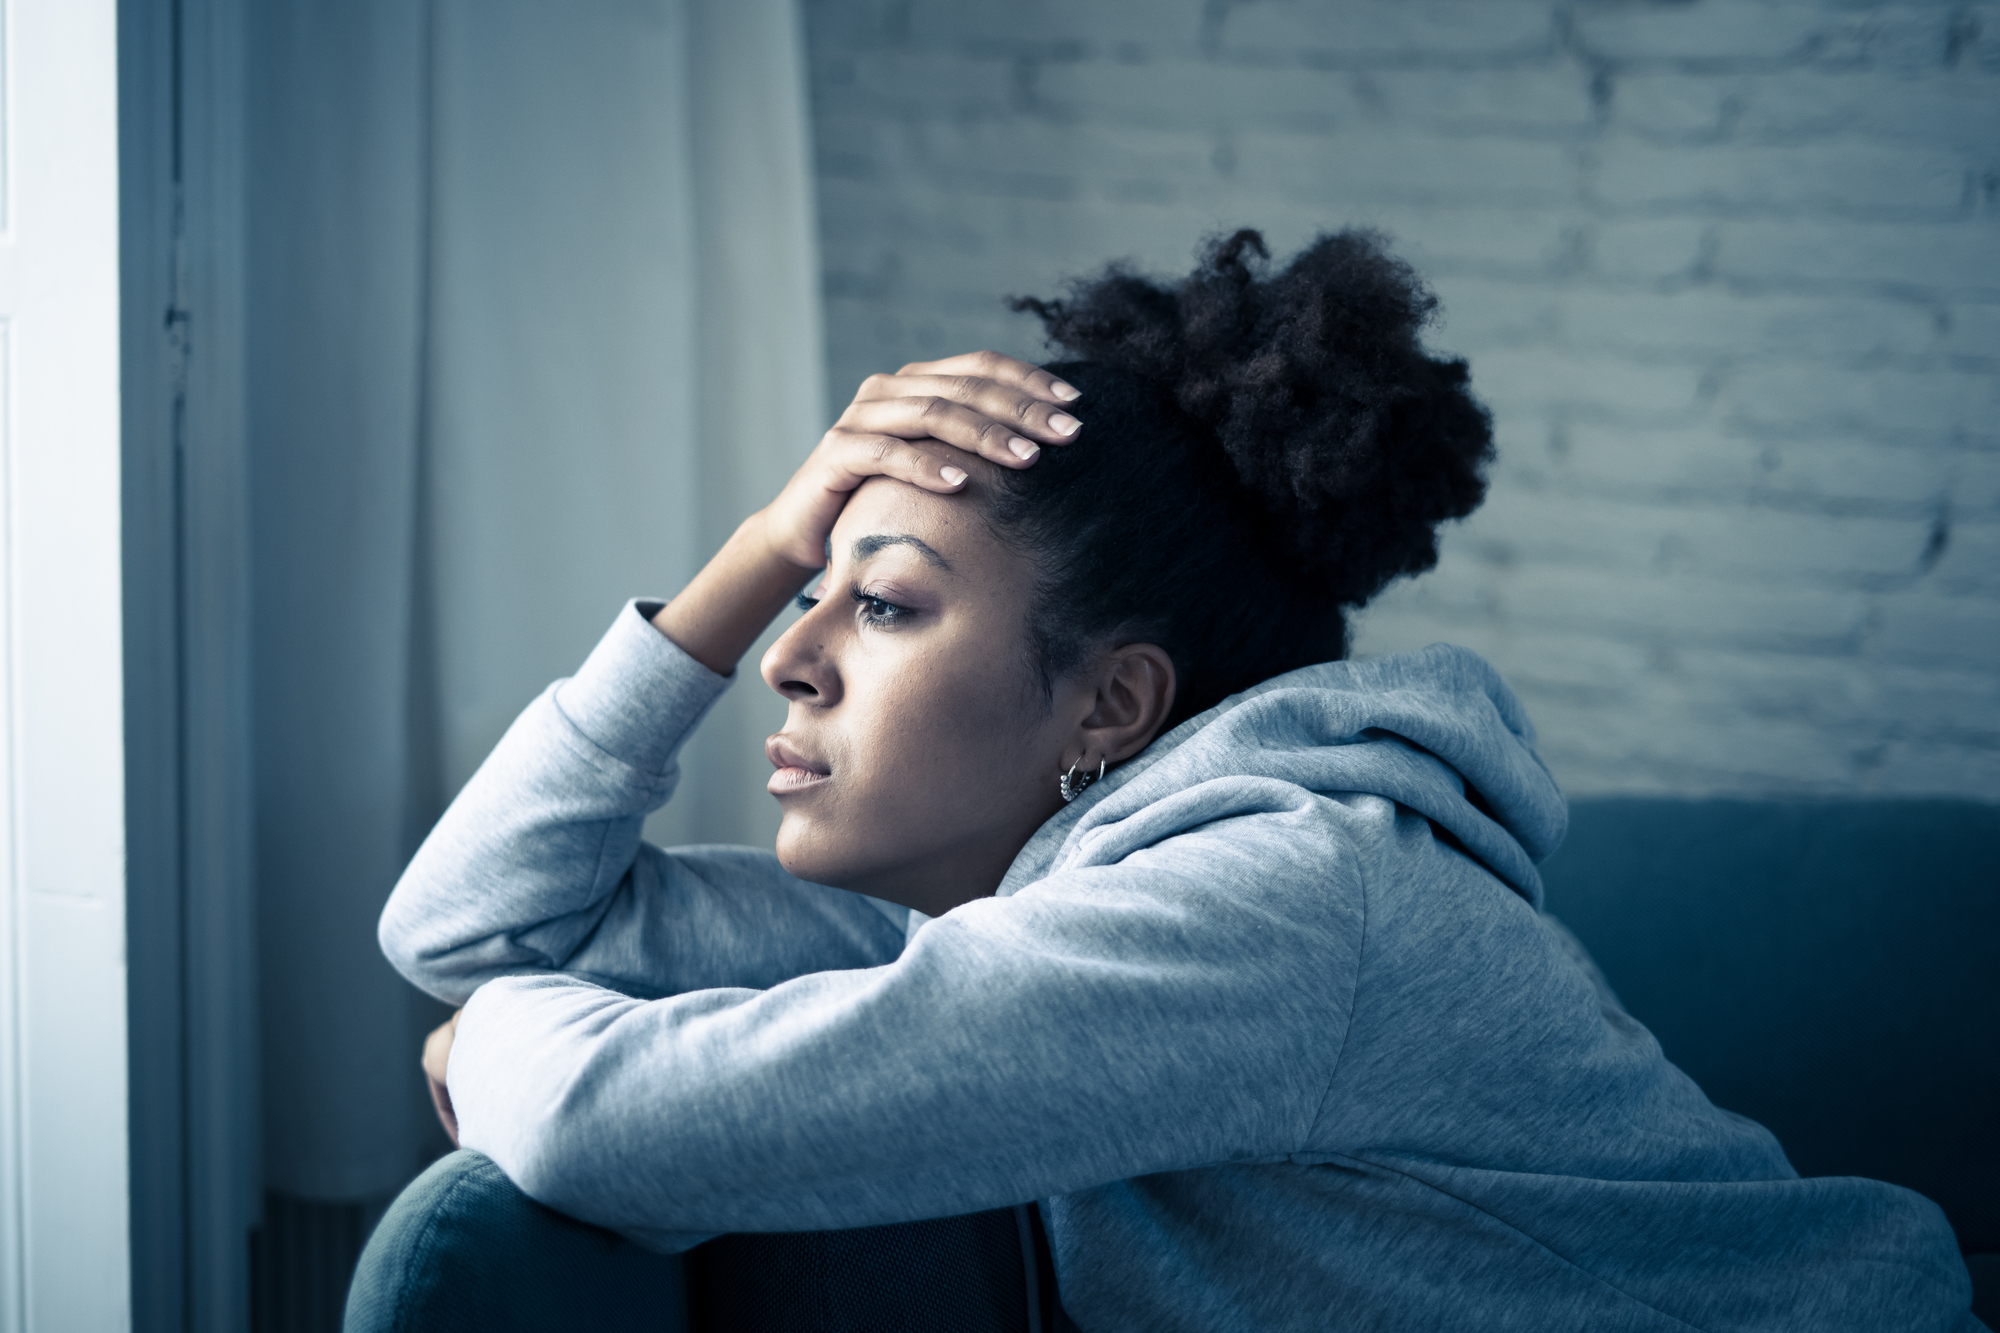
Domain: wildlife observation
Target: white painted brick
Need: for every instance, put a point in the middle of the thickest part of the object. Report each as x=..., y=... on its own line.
x=1892, y=403
x=1927, y=630
x=992, y=248
x=846, y=25
x=1478, y=314
x=862, y=340
x=1540, y=100
x=1870, y=706
x=1675, y=104
x=1724, y=33
x=1469, y=239
x=1768, y=755
x=1975, y=329
x=1147, y=26
x=1711, y=323
x=1647, y=249
x=1233, y=96
x=1724, y=437
x=970, y=283
x=901, y=82
x=1946, y=258
x=1790, y=718
x=850, y=148
x=1535, y=99
x=1665, y=610
x=1938, y=769
x=1956, y=112
x=1394, y=623
x=1383, y=165
x=1927, y=702
x=1541, y=380
x=1634, y=174
x=1771, y=754
x=1706, y=541
x=1042, y=160
x=1671, y=465
x=1912, y=40
x=1577, y=664
x=845, y=223
x=1726, y=681
x=1975, y=486
x=1386, y=31
x=1971, y=561
x=1855, y=473
x=1057, y=238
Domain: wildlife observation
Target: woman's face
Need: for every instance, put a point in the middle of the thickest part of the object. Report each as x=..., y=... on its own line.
x=920, y=752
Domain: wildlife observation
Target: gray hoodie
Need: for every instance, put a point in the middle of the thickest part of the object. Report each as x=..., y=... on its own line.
x=1269, y=1021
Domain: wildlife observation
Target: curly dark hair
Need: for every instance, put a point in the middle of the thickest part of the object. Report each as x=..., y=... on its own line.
x=1263, y=450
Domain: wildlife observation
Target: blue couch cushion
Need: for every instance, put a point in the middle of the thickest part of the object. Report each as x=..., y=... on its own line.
x=1826, y=968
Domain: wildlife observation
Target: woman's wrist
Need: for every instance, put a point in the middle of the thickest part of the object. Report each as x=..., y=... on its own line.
x=738, y=592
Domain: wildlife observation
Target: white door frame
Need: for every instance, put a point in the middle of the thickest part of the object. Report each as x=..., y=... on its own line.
x=128, y=1168
x=64, y=1262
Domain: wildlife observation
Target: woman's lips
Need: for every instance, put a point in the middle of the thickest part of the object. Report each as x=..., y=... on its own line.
x=788, y=780
x=795, y=771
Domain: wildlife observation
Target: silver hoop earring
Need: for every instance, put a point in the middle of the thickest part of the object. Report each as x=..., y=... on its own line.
x=1072, y=785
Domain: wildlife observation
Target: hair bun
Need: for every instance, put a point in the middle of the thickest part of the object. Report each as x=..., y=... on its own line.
x=1314, y=382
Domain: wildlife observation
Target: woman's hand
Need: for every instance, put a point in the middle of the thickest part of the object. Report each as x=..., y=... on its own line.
x=437, y=1058
x=910, y=425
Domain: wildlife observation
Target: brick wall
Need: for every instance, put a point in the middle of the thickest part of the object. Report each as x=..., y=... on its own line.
x=1728, y=274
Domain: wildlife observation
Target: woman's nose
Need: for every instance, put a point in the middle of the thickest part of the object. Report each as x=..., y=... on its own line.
x=799, y=666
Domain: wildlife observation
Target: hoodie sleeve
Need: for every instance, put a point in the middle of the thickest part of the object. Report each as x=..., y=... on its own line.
x=1179, y=1008
x=538, y=864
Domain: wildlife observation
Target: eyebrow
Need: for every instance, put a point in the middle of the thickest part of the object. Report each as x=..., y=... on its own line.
x=871, y=545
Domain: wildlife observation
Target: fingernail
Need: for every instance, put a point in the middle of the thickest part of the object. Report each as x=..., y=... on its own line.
x=1064, y=392
x=1062, y=423
x=1023, y=449
x=952, y=476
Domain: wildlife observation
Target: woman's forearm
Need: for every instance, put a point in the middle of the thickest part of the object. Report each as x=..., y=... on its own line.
x=726, y=606
x=538, y=865
x=522, y=867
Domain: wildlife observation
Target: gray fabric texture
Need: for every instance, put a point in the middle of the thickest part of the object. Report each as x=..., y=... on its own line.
x=1269, y=1020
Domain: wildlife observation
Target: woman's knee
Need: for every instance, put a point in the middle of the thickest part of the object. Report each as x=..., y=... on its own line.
x=463, y=1248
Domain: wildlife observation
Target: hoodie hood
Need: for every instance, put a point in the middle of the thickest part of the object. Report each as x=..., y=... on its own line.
x=1437, y=731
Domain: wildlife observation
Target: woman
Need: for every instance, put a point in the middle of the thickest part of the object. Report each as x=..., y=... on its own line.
x=1105, y=882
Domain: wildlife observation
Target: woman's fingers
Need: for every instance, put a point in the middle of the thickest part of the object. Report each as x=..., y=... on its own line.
x=437, y=1047
x=1053, y=422
x=1018, y=378
x=912, y=426
x=441, y=1103
x=796, y=524
x=1002, y=369
x=437, y=1057
x=995, y=418
x=859, y=456
x=916, y=426
x=1002, y=433
x=1000, y=407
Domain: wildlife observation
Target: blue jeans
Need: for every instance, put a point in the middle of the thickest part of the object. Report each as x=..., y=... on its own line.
x=463, y=1249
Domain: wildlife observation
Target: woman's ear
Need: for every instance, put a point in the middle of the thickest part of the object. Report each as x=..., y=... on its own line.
x=1135, y=692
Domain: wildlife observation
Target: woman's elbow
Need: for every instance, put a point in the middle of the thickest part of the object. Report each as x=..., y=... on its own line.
x=413, y=952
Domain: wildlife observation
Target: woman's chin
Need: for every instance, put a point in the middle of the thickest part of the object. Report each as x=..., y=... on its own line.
x=804, y=851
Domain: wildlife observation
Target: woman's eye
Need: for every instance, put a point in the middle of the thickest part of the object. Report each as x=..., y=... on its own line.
x=805, y=603
x=876, y=611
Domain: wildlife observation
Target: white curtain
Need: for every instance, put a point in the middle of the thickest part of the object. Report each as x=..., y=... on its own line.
x=535, y=322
